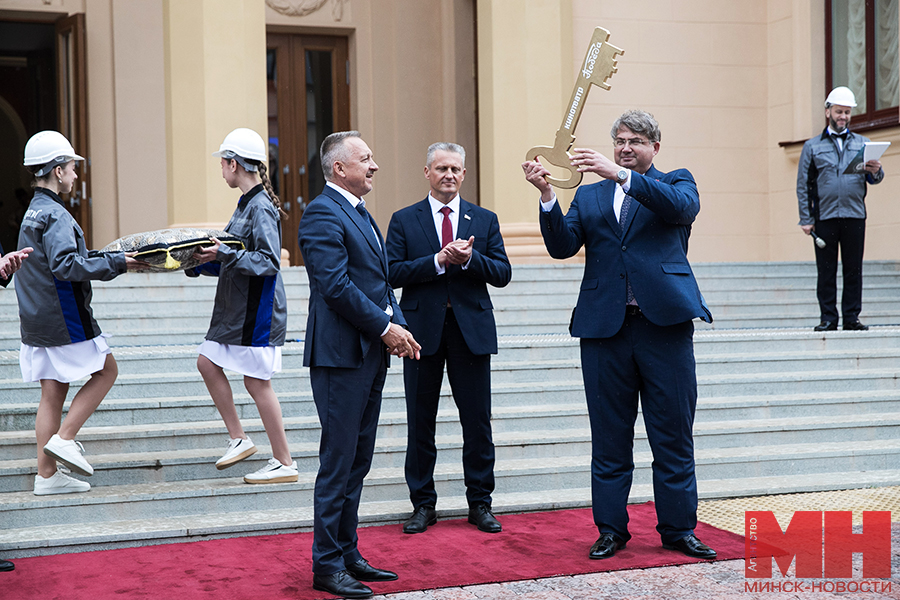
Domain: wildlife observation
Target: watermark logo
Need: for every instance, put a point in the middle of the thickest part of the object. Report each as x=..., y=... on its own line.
x=821, y=546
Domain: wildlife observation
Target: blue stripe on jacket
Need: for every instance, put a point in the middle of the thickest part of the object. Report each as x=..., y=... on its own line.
x=70, y=311
x=262, y=328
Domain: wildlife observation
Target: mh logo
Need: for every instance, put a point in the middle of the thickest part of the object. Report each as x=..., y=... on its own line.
x=822, y=543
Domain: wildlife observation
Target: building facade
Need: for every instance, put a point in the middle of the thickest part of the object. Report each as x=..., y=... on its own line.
x=147, y=89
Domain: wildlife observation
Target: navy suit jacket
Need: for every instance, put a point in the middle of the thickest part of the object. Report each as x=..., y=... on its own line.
x=348, y=283
x=652, y=252
x=412, y=242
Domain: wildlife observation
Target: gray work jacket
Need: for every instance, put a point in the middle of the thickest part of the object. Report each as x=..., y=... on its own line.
x=823, y=191
x=251, y=306
x=53, y=286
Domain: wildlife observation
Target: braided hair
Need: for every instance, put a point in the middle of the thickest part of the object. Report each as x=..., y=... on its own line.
x=267, y=184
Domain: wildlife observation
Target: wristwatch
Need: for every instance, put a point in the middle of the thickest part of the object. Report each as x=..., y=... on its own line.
x=622, y=176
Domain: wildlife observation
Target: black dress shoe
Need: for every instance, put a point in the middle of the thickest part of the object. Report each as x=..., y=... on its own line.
x=691, y=546
x=855, y=326
x=826, y=326
x=606, y=546
x=342, y=584
x=421, y=518
x=480, y=515
x=5, y=565
x=363, y=571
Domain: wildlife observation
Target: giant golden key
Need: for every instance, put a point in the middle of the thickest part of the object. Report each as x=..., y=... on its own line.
x=599, y=65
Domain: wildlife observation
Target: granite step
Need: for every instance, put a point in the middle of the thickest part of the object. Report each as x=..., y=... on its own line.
x=199, y=499
x=20, y=542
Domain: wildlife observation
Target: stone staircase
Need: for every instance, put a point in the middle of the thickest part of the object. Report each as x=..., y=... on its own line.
x=781, y=409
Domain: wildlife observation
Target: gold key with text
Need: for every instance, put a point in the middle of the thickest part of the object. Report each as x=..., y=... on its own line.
x=598, y=66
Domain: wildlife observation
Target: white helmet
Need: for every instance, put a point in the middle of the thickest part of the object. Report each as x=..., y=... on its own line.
x=842, y=96
x=45, y=147
x=243, y=142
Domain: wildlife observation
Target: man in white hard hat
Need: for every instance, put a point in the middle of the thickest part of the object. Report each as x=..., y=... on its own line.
x=833, y=209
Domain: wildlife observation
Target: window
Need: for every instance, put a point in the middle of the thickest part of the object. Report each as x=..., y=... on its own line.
x=861, y=52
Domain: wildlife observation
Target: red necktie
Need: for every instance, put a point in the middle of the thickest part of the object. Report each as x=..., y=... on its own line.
x=446, y=227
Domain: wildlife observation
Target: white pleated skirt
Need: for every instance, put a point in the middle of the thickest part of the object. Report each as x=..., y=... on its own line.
x=259, y=362
x=65, y=364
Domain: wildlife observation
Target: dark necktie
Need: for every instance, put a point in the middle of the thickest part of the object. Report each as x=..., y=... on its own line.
x=446, y=227
x=361, y=208
x=623, y=214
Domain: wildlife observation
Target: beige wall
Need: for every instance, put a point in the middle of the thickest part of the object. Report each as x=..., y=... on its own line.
x=126, y=117
x=727, y=81
x=140, y=115
x=700, y=66
x=215, y=53
x=525, y=77
x=797, y=94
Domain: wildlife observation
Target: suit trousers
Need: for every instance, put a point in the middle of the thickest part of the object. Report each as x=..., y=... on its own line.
x=470, y=381
x=348, y=402
x=850, y=234
x=656, y=364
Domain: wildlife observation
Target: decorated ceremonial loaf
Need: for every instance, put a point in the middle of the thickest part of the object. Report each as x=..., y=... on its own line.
x=170, y=249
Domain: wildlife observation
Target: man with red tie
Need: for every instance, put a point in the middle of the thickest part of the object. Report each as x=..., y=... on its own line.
x=443, y=251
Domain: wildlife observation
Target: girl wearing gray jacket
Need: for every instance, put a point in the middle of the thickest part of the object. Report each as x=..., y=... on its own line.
x=61, y=341
x=250, y=313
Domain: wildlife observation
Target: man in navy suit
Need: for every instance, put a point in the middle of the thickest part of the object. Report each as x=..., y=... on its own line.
x=443, y=251
x=634, y=317
x=354, y=323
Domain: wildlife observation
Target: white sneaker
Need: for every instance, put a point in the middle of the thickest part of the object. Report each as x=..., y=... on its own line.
x=69, y=453
x=59, y=483
x=238, y=450
x=274, y=472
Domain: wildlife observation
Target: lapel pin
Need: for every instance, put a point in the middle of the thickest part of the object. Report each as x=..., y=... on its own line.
x=467, y=217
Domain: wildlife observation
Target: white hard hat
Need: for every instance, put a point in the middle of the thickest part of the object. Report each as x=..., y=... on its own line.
x=243, y=142
x=842, y=96
x=46, y=146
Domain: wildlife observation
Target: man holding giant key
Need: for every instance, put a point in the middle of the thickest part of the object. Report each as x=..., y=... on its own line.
x=634, y=317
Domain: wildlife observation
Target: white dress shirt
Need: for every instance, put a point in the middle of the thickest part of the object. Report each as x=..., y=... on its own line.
x=353, y=200
x=618, y=197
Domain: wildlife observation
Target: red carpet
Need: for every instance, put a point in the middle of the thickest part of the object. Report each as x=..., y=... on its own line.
x=451, y=553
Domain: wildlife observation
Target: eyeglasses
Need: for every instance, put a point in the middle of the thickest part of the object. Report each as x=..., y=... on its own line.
x=633, y=142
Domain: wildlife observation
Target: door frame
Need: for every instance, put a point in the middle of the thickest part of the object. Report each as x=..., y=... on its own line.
x=71, y=56
x=293, y=134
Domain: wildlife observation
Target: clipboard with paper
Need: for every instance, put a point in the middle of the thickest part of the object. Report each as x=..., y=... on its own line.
x=869, y=151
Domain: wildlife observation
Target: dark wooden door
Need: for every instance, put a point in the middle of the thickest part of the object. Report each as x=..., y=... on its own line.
x=308, y=99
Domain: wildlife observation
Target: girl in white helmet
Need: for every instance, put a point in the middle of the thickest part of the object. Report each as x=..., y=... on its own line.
x=61, y=341
x=249, y=318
